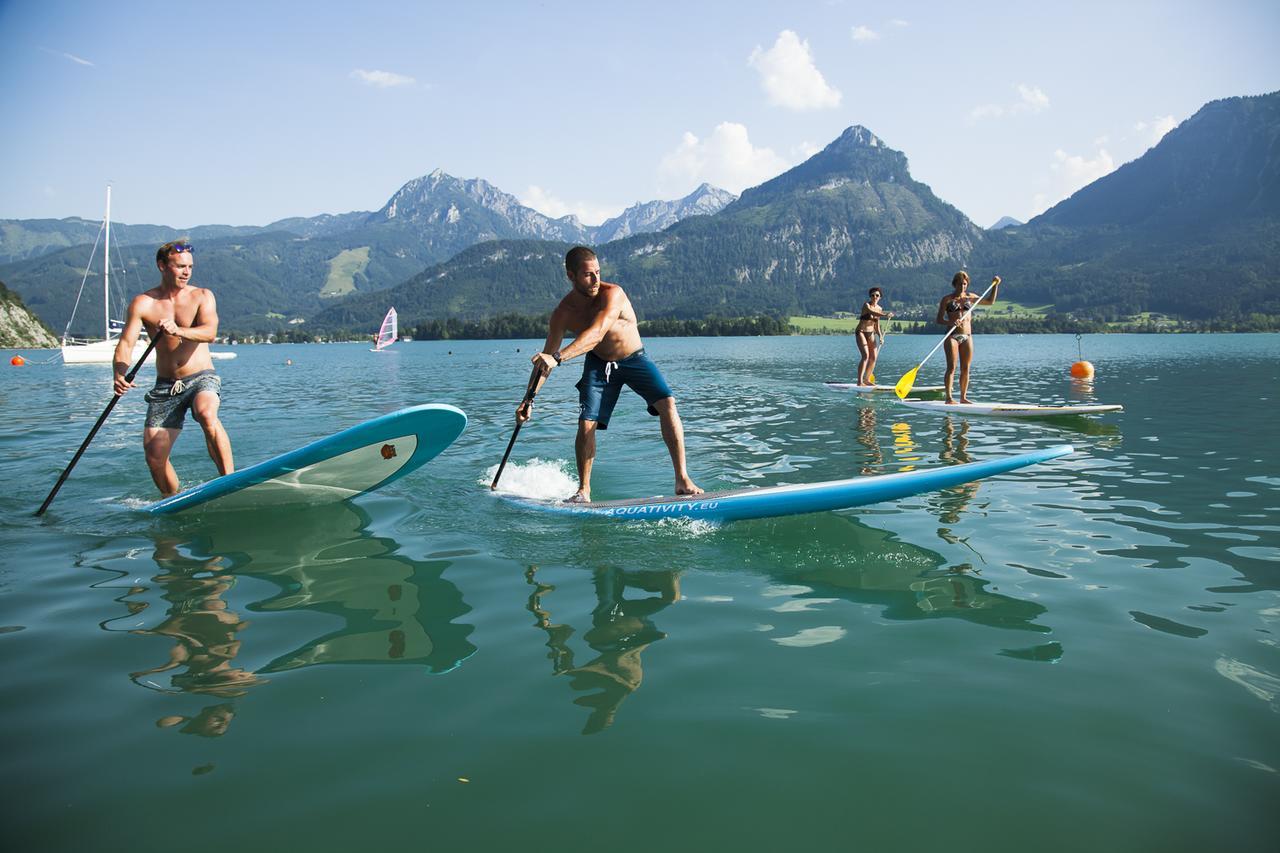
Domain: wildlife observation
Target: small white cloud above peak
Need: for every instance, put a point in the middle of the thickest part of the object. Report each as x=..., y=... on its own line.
x=381, y=79
x=725, y=159
x=538, y=199
x=864, y=33
x=789, y=76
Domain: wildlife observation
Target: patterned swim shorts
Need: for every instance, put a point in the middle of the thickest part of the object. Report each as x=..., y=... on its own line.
x=170, y=399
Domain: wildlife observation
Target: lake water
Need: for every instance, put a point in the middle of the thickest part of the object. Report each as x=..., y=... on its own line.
x=1082, y=654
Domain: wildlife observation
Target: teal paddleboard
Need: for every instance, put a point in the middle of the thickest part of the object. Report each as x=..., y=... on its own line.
x=772, y=501
x=365, y=457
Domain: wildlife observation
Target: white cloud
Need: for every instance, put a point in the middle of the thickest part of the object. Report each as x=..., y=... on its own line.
x=726, y=159
x=899, y=22
x=1031, y=99
x=549, y=205
x=71, y=56
x=1155, y=129
x=789, y=76
x=381, y=79
x=986, y=111
x=1080, y=171
x=804, y=151
x=864, y=33
x=1071, y=172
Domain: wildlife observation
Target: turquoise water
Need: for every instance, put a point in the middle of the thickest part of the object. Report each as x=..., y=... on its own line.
x=1081, y=654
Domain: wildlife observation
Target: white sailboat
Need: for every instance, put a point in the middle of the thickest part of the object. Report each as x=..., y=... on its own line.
x=99, y=352
x=387, y=333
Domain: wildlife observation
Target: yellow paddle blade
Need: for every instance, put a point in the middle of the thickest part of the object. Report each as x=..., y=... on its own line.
x=903, y=388
x=871, y=379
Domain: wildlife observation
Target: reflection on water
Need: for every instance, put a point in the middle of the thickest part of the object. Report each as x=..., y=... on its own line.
x=904, y=448
x=867, y=438
x=389, y=608
x=621, y=629
x=951, y=503
x=907, y=581
x=204, y=631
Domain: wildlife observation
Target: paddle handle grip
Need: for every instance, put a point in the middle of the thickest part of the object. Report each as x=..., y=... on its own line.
x=101, y=420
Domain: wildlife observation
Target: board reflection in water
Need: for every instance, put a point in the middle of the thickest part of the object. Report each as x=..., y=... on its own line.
x=393, y=609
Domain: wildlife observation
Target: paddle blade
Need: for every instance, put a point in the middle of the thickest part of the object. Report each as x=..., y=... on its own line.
x=871, y=379
x=903, y=388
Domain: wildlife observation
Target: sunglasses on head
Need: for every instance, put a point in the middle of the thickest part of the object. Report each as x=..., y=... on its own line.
x=182, y=247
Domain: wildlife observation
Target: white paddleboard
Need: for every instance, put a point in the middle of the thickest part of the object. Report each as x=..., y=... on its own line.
x=1009, y=410
x=877, y=389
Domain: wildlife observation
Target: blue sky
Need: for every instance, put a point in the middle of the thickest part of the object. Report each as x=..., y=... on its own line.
x=246, y=112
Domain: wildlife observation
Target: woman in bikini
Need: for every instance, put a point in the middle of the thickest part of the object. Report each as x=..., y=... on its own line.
x=867, y=333
x=953, y=311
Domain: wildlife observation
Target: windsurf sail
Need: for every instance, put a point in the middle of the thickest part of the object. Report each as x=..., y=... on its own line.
x=387, y=333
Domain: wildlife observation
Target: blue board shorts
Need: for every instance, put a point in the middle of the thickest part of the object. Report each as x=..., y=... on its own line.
x=170, y=399
x=602, y=381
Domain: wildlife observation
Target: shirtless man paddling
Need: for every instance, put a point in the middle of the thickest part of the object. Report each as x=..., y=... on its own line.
x=600, y=316
x=182, y=319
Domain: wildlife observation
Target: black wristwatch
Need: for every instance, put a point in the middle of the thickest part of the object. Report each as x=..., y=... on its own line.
x=556, y=356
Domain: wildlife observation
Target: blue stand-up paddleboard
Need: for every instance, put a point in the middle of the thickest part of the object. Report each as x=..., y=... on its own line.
x=772, y=501
x=365, y=457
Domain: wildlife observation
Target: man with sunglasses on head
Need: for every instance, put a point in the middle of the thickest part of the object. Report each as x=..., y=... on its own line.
x=183, y=320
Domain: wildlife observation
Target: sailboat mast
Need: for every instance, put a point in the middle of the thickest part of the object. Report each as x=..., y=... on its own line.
x=106, y=272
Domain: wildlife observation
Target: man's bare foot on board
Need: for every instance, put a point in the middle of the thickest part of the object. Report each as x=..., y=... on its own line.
x=579, y=497
x=686, y=488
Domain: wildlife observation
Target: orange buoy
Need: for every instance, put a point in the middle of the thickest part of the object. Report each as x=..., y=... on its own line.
x=17, y=361
x=1082, y=370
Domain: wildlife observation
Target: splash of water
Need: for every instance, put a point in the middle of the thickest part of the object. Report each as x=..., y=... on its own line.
x=537, y=479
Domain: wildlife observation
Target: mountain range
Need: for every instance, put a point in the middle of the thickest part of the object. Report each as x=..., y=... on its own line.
x=293, y=268
x=1191, y=228
x=794, y=243
x=815, y=238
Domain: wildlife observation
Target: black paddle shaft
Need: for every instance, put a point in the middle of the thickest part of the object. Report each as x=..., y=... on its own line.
x=101, y=419
x=535, y=382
